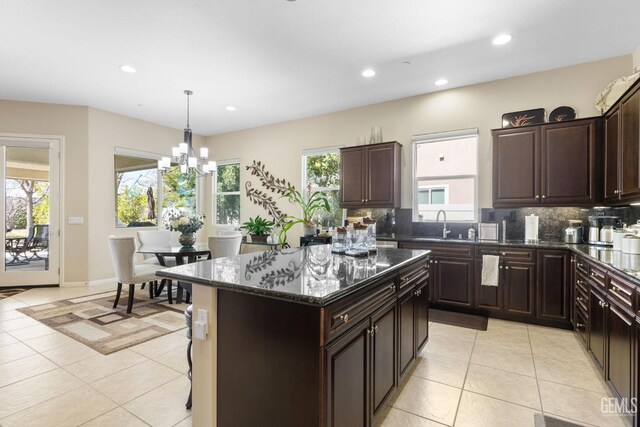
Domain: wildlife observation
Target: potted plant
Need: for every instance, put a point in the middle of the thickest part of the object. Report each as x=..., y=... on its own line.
x=184, y=222
x=317, y=201
x=259, y=228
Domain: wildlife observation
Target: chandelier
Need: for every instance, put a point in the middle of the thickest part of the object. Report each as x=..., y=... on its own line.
x=184, y=155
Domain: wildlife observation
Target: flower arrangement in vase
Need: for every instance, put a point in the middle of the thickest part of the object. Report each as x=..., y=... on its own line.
x=185, y=223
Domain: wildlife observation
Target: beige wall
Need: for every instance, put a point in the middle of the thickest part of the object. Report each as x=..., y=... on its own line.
x=71, y=123
x=106, y=132
x=636, y=58
x=480, y=106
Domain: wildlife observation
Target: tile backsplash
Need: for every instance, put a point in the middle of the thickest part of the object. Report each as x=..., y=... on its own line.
x=552, y=221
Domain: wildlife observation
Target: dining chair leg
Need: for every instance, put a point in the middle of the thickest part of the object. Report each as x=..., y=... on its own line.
x=151, y=286
x=169, y=293
x=178, y=294
x=187, y=298
x=115, y=303
x=143, y=285
x=132, y=288
x=161, y=287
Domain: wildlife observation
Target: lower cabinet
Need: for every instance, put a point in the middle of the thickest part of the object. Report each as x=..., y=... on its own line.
x=620, y=354
x=554, y=285
x=518, y=287
x=365, y=363
x=362, y=367
x=453, y=281
x=597, y=323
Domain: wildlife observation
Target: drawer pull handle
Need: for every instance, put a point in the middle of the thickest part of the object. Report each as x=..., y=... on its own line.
x=500, y=267
x=371, y=331
x=614, y=289
x=579, y=325
x=506, y=267
x=579, y=299
x=418, y=292
x=579, y=282
x=344, y=318
x=504, y=253
x=436, y=261
x=580, y=265
x=392, y=288
x=375, y=330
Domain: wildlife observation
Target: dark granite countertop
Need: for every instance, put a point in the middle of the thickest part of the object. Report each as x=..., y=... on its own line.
x=308, y=275
x=627, y=265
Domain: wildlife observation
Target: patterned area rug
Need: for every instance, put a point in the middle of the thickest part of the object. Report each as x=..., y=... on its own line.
x=9, y=292
x=92, y=320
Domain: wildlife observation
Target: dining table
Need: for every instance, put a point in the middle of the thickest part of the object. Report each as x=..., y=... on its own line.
x=181, y=255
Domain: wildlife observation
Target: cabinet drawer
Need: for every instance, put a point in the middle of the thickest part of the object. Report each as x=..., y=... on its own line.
x=581, y=324
x=582, y=266
x=458, y=250
x=582, y=299
x=597, y=276
x=622, y=291
x=341, y=316
x=507, y=253
x=413, y=276
x=582, y=282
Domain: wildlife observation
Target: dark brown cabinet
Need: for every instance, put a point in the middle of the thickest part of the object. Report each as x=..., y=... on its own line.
x=622, y=149
x=370, y=176
x=553, y=290
x=519, y=286
x=453, y=281
x=554, y=164
x=597, y=324
x=620, y=354
x=413, y=318
x=362, y=369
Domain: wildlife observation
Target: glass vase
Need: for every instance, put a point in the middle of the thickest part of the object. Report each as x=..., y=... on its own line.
x=187, y=240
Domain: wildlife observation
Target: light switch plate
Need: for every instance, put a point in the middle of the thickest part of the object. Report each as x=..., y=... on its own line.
x=76, y=220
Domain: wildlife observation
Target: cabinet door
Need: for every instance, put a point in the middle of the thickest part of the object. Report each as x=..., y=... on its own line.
x=630, y=146
x=488, y=298
x=596, y=327
x=611, y=141
x=454, y=279
x=518, y=285
x=383, y=357
x=620, y=328
x=553, y=285
x=348, y=378
x=568, y=163
x=407, y=330
x=352, y=175
x=382, y=173
x=422, y=315
x=516, y=158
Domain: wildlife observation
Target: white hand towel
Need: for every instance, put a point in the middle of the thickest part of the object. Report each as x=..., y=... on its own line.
x=490, y=270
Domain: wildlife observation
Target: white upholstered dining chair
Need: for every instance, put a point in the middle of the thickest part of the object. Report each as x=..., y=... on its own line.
x=225, y=245
x=159, y=239
x=123, y=250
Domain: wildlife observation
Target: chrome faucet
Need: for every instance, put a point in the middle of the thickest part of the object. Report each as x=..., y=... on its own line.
x=445, y=232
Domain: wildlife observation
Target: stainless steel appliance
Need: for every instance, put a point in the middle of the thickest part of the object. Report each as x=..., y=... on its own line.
x=573, y=233
x=601, y=229
x=488, y=231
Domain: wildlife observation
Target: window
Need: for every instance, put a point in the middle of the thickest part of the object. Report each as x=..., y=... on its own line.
x=226, y=193
x=140, y=201
x=445, y=173
x=321, y=172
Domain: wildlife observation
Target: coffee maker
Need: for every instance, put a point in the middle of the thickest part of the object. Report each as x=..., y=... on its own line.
x=601, y=229
x=573, y=233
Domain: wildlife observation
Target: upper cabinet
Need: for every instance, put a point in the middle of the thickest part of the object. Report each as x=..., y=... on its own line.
x=554, y=164
x=370, y=176
x=622, y=154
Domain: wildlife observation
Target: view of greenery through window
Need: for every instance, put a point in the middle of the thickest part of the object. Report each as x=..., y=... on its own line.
x=322, y=173
x=227, y=194
x=26, y=204
x=137, y=191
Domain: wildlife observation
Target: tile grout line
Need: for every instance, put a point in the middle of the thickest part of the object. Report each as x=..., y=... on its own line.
x=535, y=371
x=455, y=417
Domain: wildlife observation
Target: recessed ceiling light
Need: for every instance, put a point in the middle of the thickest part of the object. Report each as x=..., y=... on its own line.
x=502, y=39
x=406, y=62
x=368, y=73
x=441, y=82
x=231, y=108
x=127, y=69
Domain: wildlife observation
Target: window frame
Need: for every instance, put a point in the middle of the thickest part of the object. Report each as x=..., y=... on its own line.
x=420, y=139
x=128, y=152
x=335, y=149
x=215, y=193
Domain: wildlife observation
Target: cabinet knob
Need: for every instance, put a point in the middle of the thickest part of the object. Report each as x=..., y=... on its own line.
x=344, y=318
x=375, y=330
x=580, y=265
x=371, y=331
x=573, y=260
x=366, y=200
x=544, y=197
x=500, y=267
x=503, y=253
x=537, y=196
x=392, y=288
x=579, y=325
x=614, y=289
x=362, y=200
x=616, y=191
x=579, y=298
x=436, y=261
x=506, y=267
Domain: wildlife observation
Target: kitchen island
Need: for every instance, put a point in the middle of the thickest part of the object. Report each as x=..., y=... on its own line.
x=302, y=337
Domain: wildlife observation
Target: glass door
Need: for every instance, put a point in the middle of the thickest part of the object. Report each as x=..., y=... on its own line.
x=29, y=184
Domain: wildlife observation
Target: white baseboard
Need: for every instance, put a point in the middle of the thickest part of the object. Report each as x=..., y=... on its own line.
x=102, y=281
x=72, y=284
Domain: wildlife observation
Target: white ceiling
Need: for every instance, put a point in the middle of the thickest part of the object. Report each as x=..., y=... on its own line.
x=277, y=60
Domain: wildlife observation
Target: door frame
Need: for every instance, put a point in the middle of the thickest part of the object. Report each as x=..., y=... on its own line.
x=58, y=140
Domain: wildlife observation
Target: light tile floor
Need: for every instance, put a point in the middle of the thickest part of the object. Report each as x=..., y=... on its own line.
x=463, y=377
x=500, y=377
x=49, y=379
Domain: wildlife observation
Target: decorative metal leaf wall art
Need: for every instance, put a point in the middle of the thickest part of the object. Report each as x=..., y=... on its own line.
x=271, y=183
